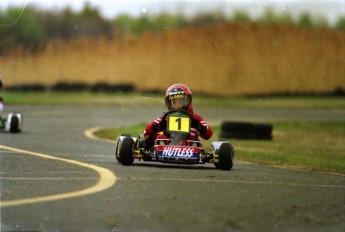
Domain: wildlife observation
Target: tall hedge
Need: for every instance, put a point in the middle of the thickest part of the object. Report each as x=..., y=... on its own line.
x=30, y=28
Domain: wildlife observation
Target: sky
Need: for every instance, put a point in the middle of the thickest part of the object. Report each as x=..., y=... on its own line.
x=331, y=9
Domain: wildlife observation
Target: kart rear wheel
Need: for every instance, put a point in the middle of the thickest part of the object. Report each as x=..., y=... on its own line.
x=15, y=124
x=226, y=156
x=125, y=151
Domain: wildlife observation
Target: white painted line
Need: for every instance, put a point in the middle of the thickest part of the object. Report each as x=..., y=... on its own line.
x=106, y=180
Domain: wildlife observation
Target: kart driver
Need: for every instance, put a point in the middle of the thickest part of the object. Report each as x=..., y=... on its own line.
x=177, y=96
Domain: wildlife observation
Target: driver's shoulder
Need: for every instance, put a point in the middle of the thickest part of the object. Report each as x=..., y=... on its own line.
x=197, y=116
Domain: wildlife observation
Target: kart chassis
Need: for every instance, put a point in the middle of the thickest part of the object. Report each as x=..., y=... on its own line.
x=129, y=148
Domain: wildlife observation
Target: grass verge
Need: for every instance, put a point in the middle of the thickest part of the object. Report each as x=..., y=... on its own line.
x=89, y=98
x=315, y=146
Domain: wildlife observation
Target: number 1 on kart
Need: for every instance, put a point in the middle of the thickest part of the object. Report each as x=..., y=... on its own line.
x=180, y=124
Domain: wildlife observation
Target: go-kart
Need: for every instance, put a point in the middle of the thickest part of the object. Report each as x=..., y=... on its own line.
x=177, y=148
x=12, y=123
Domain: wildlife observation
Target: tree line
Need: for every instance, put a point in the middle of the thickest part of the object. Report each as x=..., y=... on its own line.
x=31, y=28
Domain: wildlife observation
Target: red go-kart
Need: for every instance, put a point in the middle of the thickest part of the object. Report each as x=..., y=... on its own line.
x=177, y=148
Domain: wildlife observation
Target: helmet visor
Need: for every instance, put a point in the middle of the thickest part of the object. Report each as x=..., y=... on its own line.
x=177, y=101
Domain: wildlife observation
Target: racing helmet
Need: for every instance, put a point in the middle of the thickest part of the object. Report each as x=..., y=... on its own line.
x=178, y=91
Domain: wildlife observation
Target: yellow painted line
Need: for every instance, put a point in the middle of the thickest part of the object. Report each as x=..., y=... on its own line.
x=89, y=133
x=106, y=180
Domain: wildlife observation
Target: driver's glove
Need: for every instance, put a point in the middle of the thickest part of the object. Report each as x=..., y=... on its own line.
x=197, y=125
x=161, y=126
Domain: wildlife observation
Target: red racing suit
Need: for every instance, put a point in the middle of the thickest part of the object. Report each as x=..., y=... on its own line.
x=150, y=134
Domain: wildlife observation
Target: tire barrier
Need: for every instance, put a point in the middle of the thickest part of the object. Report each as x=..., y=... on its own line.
x=245, y=130
x=97, y=87
x=27, y=88
x=73, y=87
x=69, y=87
x=105, y=87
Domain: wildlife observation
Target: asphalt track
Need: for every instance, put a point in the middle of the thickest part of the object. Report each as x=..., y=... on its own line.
x=55, y=178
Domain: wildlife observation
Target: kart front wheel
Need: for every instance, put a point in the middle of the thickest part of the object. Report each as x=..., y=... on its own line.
x=125, y=151
x=225, y=156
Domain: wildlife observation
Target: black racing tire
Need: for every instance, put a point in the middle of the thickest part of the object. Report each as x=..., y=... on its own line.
x=236, y=135
x=263, y=131
x=226, y=156
x=14, y=126
x=242, y=127
x=117, y=150
x=246, y=130
x=125, y=151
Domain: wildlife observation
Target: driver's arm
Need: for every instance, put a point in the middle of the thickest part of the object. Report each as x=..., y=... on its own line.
x=154, y=127
x=203, y=128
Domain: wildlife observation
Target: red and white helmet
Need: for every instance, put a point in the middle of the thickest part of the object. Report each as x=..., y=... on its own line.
x=179, y=91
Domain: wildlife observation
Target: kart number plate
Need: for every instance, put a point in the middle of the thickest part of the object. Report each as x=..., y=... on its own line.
x=178, y=124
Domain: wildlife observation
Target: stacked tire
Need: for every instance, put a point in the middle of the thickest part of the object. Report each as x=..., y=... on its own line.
x=245, y=130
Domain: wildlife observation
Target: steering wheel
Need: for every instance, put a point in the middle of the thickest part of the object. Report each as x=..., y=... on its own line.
x=178, y=124
x=176, y=110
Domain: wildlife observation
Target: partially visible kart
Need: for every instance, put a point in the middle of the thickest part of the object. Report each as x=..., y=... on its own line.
x=13, y=122
x=177, y=149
